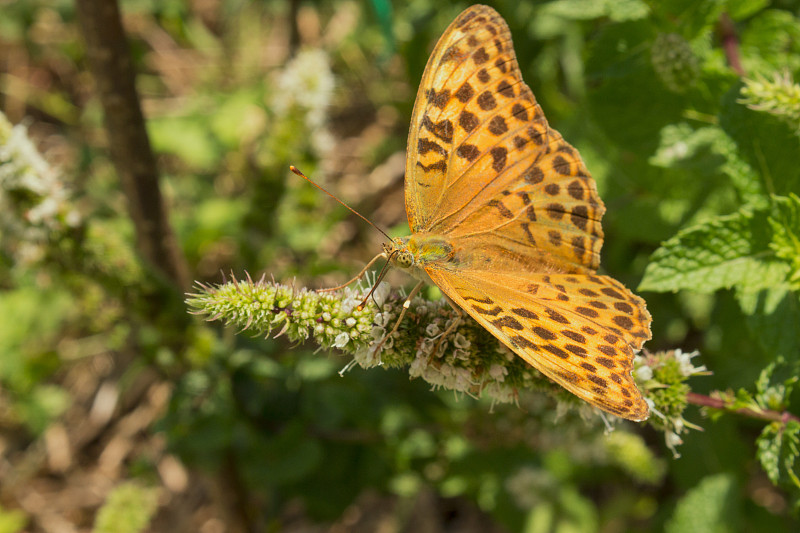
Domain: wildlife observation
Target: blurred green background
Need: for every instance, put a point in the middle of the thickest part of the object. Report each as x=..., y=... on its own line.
x=112, y=414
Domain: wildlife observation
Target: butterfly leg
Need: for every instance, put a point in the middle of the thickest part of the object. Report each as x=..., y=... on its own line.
x=406, y=305
x=358, y=277
x=451, y=328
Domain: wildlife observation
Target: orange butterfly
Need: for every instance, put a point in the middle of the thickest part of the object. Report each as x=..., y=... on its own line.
x=505, y=220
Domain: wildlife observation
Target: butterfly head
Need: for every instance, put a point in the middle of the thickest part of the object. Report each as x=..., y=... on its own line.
x=416, y=251
x=399, y=253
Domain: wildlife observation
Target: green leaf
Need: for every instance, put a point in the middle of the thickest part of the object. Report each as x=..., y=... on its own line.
x=616, y=10
x=12, y=520
x=770, y=41
x=764, y=142
x=785, y=223
x=128, y=509
x=708, y=150
x=776, y=383
x=773, y=315
x=727, y=251
x=710, y=507
x=740, y=9
x=41, y=406
x=778, y=450
x=622, y=10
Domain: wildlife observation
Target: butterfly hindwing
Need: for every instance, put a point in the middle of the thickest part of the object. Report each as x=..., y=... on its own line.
x=580, y=331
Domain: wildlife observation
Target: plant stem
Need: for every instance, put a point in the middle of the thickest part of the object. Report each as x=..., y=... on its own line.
x=717, y=403
x=730, y=43
x=113, y=72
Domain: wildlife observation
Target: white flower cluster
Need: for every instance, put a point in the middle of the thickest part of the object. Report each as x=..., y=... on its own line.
x=646, y=371
x=307, y=84
x=34, y=202
x=444, y=362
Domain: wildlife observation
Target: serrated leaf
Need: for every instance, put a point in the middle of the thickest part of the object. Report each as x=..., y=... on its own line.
x=724, y=252
x=778, y=450
x=764, y=141
x=708, y=507
x=680, y=143
x=773, y=316
x=785, y=224
x=707, y=150
x=770, y=41
x=776, y=383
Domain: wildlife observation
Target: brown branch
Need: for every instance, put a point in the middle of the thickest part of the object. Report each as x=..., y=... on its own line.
x=718, y=403
x=112, y=69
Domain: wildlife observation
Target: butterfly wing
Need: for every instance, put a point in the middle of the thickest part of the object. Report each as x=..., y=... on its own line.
x=482, y=161
x=581, y=331
x=487, y=174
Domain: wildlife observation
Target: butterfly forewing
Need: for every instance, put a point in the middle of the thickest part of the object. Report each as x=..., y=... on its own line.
x=483, y=161
x=581, y=331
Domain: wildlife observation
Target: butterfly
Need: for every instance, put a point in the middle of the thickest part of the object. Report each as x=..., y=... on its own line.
x=505, y=220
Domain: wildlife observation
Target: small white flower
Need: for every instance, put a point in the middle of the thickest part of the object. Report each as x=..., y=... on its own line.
x=460, y=341
x=643, y=373
x=426, y=347
x=381, y=319
x=308, y=82
x=381, y=293
x=685, y=362
x=499, y=393
x=673, y=440
x=341, y=340
x=463, y=379
x=417, y=367
x=498, y=372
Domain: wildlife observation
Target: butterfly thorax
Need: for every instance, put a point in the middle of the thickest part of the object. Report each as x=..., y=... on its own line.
x=414, y=252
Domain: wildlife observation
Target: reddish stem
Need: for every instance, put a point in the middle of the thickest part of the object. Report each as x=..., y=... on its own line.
x=717, y=403
x=730, y=43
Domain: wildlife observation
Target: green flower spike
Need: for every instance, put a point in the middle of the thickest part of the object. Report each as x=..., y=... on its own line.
x=779, y=96
x=470, y=361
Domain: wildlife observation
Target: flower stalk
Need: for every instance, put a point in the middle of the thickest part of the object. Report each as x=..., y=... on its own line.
x=470, y=361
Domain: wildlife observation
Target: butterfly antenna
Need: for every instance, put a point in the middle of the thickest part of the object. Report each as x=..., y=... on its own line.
x=362, y=217
x=375, y=285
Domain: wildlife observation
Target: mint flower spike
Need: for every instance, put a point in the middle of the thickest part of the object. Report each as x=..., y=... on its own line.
x=35, y=200
x=779, y=96
x=262, y=307
x=470, y=360
x=662, y=377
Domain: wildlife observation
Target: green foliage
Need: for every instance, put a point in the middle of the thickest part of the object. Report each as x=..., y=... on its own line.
x=128, y=508
x=709, y=507
x=779, y=451
x=631, y=453
x=725, y=252
x=12, y=521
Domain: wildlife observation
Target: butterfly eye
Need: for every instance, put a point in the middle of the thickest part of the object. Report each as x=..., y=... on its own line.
x=405, y=259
